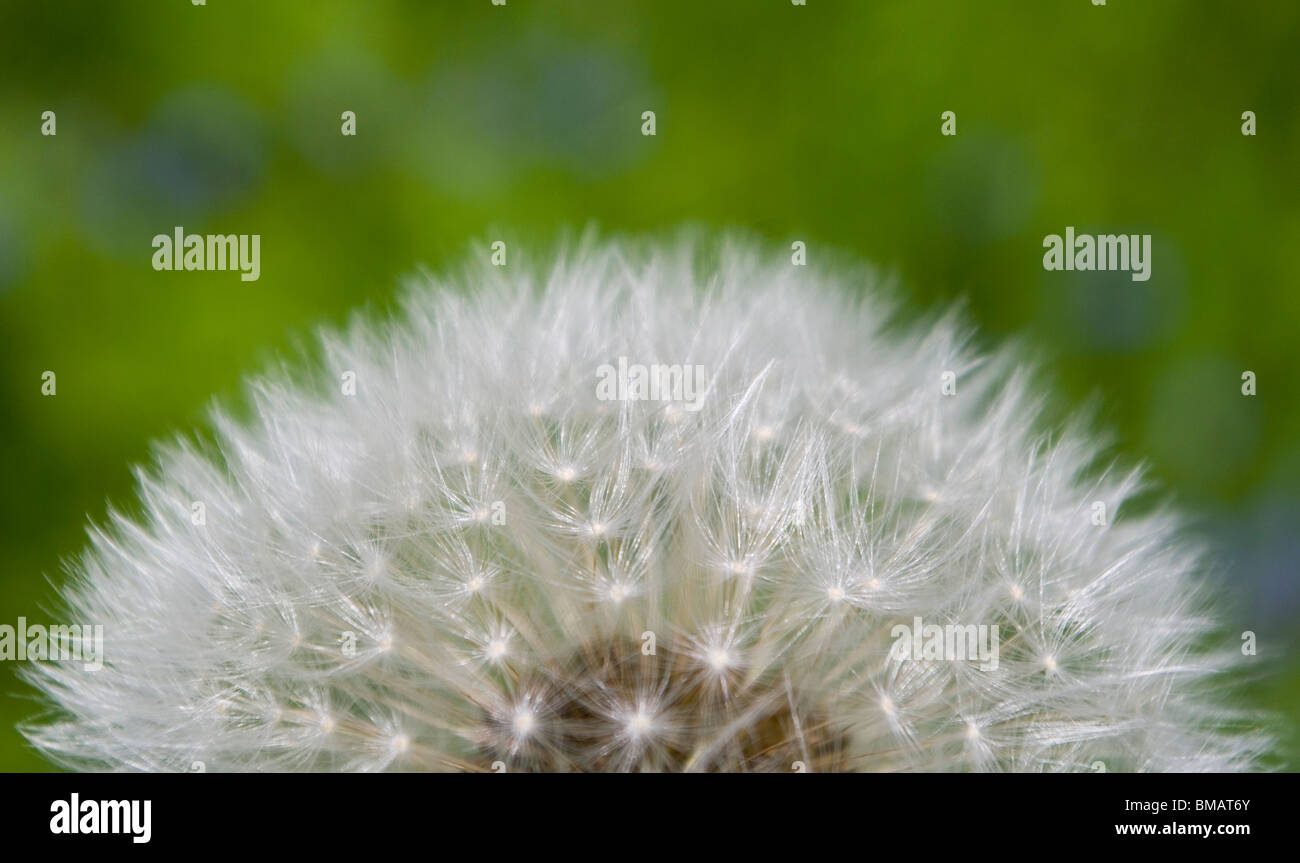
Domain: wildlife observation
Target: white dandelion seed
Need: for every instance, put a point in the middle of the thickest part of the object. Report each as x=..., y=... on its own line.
x=766, y=544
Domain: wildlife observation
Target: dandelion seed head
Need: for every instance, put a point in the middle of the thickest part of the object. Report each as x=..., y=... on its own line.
x=683, y=584
x=524, y=721
x=639, y=724
x=719, y=659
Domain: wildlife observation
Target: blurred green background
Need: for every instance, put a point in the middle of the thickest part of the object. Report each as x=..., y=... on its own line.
x=819, y=123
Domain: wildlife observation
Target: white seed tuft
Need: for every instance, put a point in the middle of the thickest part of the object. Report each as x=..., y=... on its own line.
x=706, y=584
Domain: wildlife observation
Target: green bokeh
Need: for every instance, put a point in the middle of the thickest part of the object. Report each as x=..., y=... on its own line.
x=819, y=123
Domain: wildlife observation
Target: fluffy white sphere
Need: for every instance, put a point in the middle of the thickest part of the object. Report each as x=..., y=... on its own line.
x=448, y=548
